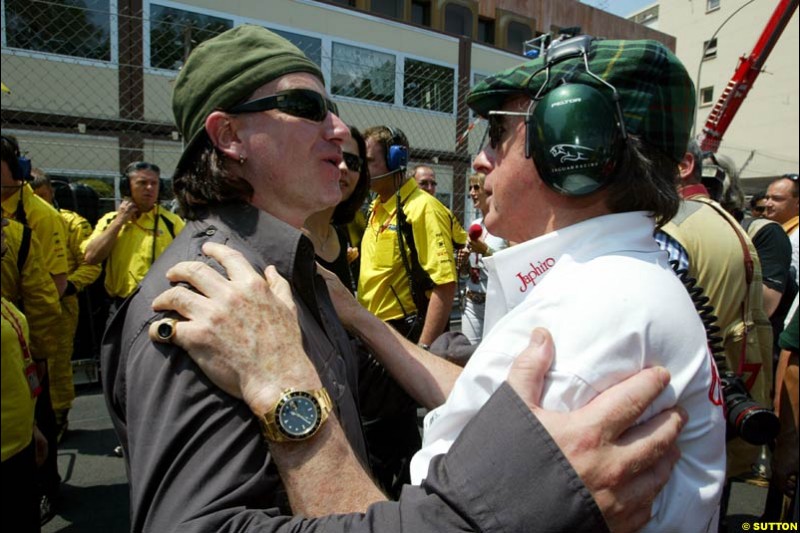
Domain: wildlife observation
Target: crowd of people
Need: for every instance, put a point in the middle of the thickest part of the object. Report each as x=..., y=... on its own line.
x=627, y=346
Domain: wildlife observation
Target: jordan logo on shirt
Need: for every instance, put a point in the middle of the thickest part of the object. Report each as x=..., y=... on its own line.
x=529, y=279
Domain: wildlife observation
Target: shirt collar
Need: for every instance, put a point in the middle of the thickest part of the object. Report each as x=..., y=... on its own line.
x=516, y=271
x=275, y=241
x=691, y=191
x=406, y=190
x=10, y=203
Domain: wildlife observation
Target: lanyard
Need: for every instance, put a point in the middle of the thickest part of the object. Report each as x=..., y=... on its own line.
x=11, y=317
x=30, y=366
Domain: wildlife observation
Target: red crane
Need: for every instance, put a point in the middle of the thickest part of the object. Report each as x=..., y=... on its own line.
x=747, y=71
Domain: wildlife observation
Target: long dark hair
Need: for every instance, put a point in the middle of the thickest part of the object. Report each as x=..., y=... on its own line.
x=644, y=181
x=346, y=210
x=205, y=181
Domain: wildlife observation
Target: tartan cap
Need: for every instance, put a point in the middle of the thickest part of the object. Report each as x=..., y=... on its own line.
x=657, y=95
x=225, y=70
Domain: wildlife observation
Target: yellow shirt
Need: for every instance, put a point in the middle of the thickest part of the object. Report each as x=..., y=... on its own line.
x=383, y=279
x=133, y=253
x=33, y=289
x=80, y=274
x=17, y=403
x=46, y=223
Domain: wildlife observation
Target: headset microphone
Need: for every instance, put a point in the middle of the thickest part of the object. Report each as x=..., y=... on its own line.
x=380, y=177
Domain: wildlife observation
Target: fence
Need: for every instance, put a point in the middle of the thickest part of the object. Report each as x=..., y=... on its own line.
x=90, y=88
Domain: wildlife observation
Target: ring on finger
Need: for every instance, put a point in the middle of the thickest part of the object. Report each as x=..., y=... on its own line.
x=165, y=330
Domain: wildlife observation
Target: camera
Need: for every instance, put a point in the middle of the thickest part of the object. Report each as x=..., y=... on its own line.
x=746, y=418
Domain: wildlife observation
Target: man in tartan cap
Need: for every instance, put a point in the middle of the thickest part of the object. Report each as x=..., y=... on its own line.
x=581, y=160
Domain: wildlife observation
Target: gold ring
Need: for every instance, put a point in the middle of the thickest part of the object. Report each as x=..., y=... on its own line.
x=165, y=329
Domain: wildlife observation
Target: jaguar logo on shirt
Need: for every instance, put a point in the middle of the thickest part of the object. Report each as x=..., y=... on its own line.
x=537, y=270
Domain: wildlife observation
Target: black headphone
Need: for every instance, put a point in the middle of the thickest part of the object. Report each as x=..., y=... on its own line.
x=574, y=133
x=125, y=177
x=396, y=150
x=21, y=166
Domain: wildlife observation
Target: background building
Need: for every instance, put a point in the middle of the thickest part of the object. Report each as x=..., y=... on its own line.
x=91, y=80
x=763, y=138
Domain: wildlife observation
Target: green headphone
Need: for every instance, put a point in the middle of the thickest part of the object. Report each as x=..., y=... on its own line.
x=575, y=133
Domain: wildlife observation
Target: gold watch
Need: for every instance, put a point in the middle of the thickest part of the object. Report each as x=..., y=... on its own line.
x=297, y=415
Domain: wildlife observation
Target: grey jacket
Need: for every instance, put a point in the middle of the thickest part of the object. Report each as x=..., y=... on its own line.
x=197, y=461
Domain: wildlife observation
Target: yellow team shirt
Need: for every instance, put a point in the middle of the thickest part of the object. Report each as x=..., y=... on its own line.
x=80, y=274
x=383, y=285
x=31, y=287
x=132, y=254
x=46, y=223
x=17, y=403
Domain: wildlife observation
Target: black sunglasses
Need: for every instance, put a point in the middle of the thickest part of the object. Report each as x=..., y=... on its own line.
x=302, y=103
x=352, y=161
x=496, y=130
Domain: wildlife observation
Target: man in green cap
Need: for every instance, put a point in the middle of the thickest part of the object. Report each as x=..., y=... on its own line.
x=580, y=168
x=263, y=154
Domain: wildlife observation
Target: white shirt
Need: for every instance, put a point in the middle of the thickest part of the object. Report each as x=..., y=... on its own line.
x=613, y=306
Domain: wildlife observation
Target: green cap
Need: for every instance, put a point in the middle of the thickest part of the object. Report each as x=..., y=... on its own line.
x=655, y=91
x=225, y=70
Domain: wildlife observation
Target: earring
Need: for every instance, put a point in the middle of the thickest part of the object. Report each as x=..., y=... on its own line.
x=242, y=159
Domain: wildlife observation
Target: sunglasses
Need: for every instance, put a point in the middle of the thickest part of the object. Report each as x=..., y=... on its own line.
x=352, y=161
x=475, y=187
x=496, y=129
x=301, y=103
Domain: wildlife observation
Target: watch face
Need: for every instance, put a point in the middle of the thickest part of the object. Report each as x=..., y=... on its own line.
x=298, y=415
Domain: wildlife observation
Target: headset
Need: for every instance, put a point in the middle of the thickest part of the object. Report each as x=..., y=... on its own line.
x=125, y=180
x=395, y=152
x=21, y=171
x=574, y=133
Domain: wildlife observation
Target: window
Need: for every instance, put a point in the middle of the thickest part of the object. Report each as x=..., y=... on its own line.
x=428, y=86
x=712, y=5
x=518, y=33
x=311, y=46
x=60, y=27
x=485, y=31
x=421, y=12
x=710, y=49
x=175, y=32
x=362, y=73
x=707, y=95
x=388, y=8
x=458, y=20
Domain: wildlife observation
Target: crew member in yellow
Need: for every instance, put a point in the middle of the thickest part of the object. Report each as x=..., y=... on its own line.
x=79, y=276
x=26, y=284
x=20, y=203
x=130, y=239
x=21, y=444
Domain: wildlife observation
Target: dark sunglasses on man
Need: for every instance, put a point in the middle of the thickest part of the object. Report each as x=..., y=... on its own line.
x=301, y=103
